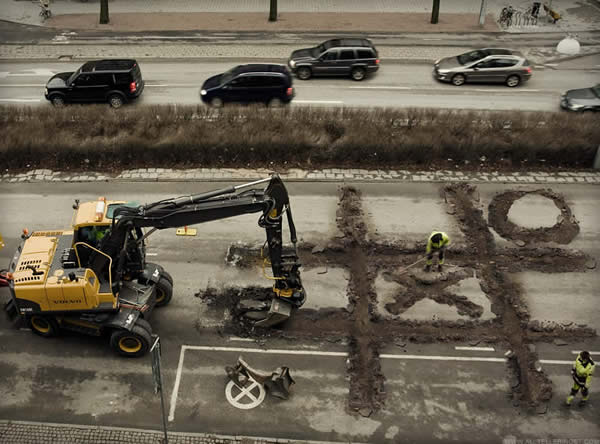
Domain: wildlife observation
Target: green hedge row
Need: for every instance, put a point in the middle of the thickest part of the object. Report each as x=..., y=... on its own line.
x=98, y=138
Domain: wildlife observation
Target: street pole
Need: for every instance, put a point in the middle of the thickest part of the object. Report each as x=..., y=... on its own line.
x=104, y=12
x=435, y=11
x=273, y=11
x=482, y=14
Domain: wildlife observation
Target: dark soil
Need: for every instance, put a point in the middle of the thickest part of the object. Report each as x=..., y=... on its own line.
x=563, y=232
x=367, y=331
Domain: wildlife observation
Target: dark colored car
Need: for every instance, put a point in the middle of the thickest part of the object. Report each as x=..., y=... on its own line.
x=256, y=83
x=113, y=81
x=488, y=65
x=585, y=99
x=338, y=57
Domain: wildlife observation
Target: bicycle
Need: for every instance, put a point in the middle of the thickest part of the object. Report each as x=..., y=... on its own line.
x=45, y=12
x=506, y=16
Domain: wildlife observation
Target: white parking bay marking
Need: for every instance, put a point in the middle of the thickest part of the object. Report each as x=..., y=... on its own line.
x=178, y=375
x=487, y=349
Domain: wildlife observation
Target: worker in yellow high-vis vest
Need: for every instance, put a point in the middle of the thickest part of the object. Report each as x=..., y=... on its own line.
x=437, y=242
x=582, y=371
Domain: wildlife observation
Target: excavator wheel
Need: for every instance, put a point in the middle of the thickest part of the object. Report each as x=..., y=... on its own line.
x=43, y=326
x=144, y=324
x=167, y=276
x=132, y=343
x=164, y=291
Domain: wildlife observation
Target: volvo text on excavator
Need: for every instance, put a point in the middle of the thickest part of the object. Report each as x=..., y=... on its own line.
x=94, y=278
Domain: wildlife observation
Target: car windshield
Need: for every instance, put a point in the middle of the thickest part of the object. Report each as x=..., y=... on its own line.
x=471, y=56
x=596, y=90
x=229, y=75
x=317, y=51
x=73, y=76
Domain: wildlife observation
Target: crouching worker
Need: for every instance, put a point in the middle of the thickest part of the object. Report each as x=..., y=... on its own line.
x=437, y=242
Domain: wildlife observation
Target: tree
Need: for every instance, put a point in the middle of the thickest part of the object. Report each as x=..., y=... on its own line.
x=273, y=11
x=104, y=12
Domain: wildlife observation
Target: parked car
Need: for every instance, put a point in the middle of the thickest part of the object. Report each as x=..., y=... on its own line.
x=256, y=83
x=488, y=65
x=338, y=57
x=114, y=81
x=584, y=99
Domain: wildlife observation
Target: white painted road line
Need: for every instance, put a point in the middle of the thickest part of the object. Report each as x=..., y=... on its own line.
x=265, y=351
x=333, y=102
x=381, y=87
x=555, y=361
x=505, y=90
x=176, y=386
x=235, y=338
x=442, y=358
x=576, y=352
x=20, y=100
x=175, y=392
x=23, y=85
x=487, y=349
x=151, y=254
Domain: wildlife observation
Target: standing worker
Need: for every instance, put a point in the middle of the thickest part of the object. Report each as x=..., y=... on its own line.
x=582, y=371
x=437, y=242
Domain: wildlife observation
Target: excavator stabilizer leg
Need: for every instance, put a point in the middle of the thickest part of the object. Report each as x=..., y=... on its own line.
x=11, y=309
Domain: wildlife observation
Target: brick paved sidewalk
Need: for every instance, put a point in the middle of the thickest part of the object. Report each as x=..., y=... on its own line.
x=577, y=15
x=259, y=52
x=22, y=432
x=287, y=21
x=328, y=174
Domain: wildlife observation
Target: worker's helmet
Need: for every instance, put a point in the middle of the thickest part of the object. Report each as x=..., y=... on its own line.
x=585, y=355
x=436, y=238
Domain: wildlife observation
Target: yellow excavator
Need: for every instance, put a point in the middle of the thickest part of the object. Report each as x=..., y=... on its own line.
x=94, y=278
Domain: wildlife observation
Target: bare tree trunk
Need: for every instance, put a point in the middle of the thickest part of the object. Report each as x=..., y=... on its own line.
x=273, y=11
x=104, y=12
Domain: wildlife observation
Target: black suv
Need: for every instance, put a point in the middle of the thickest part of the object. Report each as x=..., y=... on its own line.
x=258, y=83
x=337, y=57
x=113, y=81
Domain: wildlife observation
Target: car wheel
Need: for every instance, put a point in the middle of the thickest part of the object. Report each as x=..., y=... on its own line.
x=458, y=80
x=275, y=103
x=57, y=101
x=116, y=101
x=304, y=73
x=513, y=81
x=358, y=74
x=216, y=102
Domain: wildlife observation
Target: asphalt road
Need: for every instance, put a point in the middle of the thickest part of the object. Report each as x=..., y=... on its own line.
x=395, y=85
x=434, y=392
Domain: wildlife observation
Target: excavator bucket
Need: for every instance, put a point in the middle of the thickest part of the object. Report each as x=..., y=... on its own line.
x=279, y=312
x=277, y=382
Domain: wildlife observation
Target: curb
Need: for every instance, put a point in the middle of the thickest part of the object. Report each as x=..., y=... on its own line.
x=573, y=57
x=328, y=175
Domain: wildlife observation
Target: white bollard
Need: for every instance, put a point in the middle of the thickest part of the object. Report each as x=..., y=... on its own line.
x=568, y=45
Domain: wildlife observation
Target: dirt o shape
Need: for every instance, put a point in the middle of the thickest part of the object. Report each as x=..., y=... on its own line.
x=563, y=231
